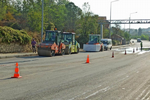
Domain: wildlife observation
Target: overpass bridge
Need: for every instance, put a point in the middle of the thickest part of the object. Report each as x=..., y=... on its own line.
x=126, y=21
x=122, y=21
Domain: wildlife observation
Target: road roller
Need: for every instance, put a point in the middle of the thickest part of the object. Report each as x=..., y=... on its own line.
x=52, y=44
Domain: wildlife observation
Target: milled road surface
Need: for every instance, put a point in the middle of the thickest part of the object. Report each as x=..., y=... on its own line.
x=68, y=77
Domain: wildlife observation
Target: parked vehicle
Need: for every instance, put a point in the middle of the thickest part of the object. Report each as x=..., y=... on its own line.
x=107, y=43
x=52, y=44
x=138, y=40
x=72, y=46
x=94, y=43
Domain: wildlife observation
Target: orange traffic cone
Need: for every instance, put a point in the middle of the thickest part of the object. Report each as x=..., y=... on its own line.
x=125, y=52
x=87, y=61
x=16, y=74
x=112, y=54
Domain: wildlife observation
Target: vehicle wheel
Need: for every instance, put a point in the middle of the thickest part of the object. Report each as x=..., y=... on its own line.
x=62, y=52
x=51, y=53
x=102, y=48
x=69, y=51
x=77, y=50
x=110, y=48
x=39, y=54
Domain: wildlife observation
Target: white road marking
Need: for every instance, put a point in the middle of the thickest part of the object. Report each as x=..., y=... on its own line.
x=142, y=93
x=84, y=93
x=104, y=89
x=145, y=95
x=8, y=65
x=147, y=99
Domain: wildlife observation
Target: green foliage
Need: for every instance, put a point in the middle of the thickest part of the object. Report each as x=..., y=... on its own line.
x=105, y=33
x=62, y=14
x=115, y=42
x=34, y=20
x=117, y=30
x=82, y=40
x=58, y=16
x=87, y=24
x=139, y=31
x=50, y=26
x=142, y=37
x=73, y=13
x=9, y=35
x=3, y=12
x=15, y=26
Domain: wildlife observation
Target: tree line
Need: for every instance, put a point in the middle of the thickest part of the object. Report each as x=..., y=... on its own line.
x=60, y=14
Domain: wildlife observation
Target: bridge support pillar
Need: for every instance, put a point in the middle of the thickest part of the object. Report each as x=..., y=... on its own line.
x=101, y=30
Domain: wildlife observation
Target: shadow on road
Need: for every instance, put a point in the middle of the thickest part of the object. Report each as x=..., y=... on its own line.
x=6, y=78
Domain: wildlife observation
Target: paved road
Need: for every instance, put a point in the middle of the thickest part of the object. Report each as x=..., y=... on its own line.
x=124, y=77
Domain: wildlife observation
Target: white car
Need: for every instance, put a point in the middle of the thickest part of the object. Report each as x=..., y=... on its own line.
x=138, y=40
x=107, y=43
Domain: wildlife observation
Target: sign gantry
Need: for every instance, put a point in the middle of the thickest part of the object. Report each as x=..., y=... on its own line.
x=126, y=21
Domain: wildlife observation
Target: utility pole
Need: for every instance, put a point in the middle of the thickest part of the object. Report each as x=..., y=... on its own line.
x=42, y=21
x=130, y=19
x=110, y=17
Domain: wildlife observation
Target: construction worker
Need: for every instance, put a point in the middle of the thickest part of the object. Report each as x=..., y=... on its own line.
x=141, y=45
x=33, y=45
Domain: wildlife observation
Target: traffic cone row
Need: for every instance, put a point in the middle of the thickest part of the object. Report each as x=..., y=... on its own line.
x=16, y=74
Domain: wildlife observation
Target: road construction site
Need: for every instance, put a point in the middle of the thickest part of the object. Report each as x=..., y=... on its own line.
x=69, y=77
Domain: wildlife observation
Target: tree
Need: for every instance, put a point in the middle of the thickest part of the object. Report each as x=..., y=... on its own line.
x=87, y=24
x=58, y=16
x=116, y=29
x=105, y=33
x=8, y=17
x=73, y=13
x=88, y=21
x=2, y=10
x=50, y=26
x=60, y=2
x=139, y=31
x=34, y=21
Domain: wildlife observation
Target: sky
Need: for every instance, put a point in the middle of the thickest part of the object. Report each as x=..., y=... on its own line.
x=121, y=9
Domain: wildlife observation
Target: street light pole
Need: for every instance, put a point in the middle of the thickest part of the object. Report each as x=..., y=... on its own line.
x=110, y=17
x=130, y=19
x=42, y=21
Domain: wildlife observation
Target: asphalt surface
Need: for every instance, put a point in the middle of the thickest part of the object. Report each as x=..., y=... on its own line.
x=68, y=77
